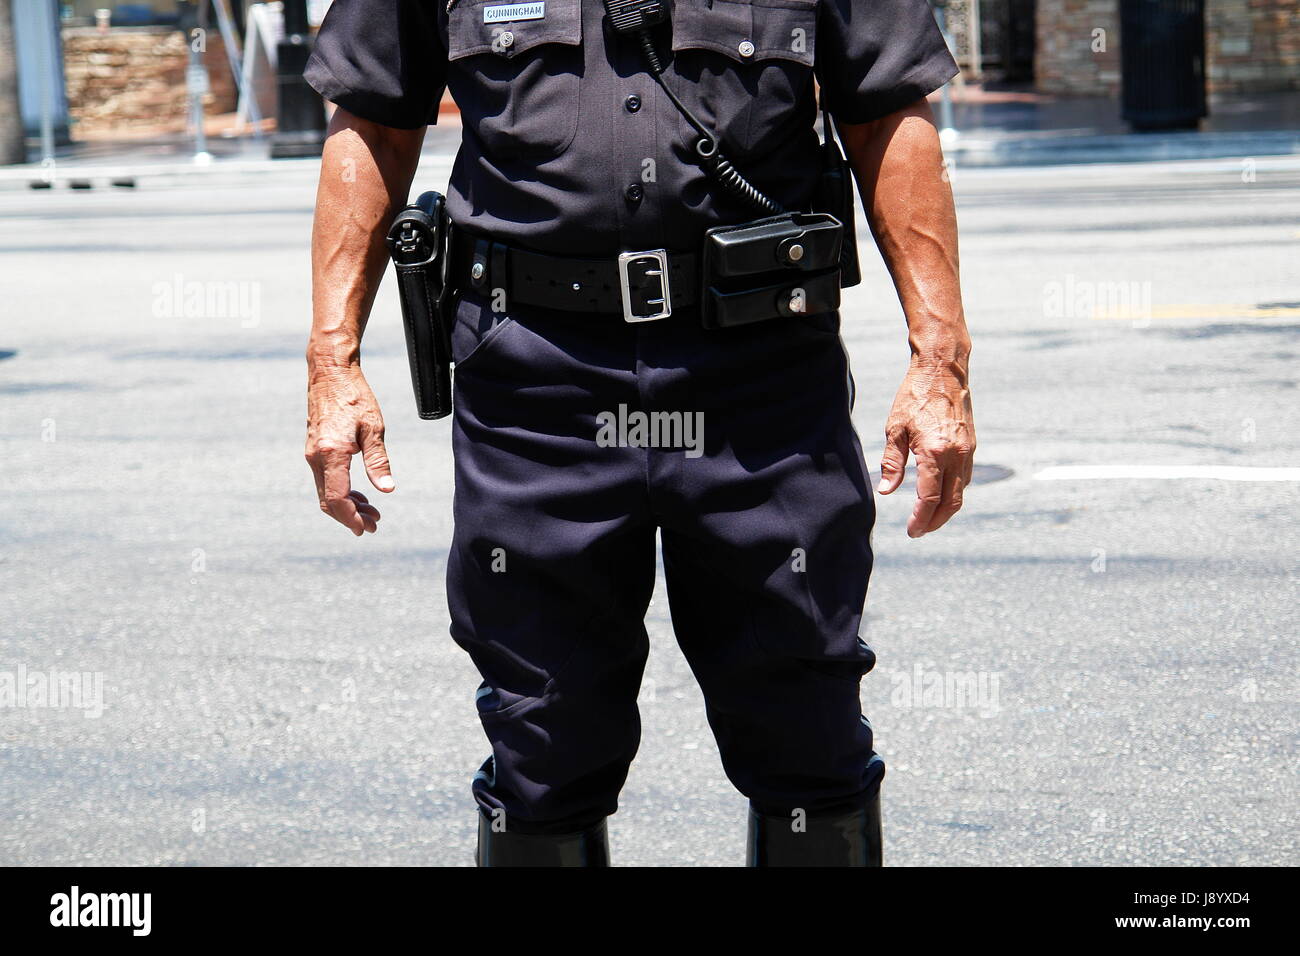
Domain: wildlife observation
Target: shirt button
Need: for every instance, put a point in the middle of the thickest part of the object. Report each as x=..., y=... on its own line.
x=746, y=48
x=634, y=193
x=633, y=103
x=507, y=40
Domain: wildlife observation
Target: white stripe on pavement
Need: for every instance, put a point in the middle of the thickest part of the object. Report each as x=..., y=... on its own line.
x=1222, y=472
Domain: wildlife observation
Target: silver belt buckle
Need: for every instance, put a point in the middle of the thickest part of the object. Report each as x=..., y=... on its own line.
x=653, y=266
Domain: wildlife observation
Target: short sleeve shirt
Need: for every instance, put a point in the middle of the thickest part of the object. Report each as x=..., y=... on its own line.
x=570, y=147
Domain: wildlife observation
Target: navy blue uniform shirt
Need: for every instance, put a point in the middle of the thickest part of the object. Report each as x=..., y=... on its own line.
x=571, y=148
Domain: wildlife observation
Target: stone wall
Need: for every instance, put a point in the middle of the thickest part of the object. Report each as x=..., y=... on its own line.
x=134, y=78
x=1252, y=46
x=1070, y=56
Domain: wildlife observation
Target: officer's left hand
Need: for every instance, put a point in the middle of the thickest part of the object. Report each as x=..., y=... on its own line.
x=343, y=419
x=932, y=418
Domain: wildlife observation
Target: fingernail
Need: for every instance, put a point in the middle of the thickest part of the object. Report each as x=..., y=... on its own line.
x=883, y=486
x=385, y=483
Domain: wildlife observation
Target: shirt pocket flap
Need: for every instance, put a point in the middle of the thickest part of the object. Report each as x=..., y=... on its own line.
x=748, y=31
x=507, y=29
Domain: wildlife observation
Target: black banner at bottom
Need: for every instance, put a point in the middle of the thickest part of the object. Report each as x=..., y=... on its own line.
x=332, y=906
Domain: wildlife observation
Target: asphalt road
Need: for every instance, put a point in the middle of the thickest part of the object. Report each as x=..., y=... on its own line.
x=277, y=692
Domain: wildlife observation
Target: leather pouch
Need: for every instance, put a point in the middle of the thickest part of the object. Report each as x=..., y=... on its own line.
x=780, y=266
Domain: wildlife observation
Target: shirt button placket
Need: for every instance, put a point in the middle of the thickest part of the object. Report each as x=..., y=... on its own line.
x=635, y=192
x=635, y=129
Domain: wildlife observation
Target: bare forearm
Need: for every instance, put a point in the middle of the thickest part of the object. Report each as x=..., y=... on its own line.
x=366, y=172
x=899, y=165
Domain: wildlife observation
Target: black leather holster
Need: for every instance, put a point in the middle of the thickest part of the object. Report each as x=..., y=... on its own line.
x=417, y=242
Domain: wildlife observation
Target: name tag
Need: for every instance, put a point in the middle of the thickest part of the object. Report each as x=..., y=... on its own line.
x=514, y=11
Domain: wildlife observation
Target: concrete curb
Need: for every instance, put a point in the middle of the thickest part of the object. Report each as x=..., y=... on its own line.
x=218, y=172
x=975, y=149
x=62, y=175
x=1055, y=149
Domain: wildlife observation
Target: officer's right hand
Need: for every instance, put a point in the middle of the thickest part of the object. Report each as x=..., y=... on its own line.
x=343, y=419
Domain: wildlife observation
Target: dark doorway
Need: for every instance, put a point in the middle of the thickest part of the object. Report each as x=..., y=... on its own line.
x=1007, y=38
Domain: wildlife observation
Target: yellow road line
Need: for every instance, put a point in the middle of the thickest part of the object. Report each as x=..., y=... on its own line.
x=1198, y=312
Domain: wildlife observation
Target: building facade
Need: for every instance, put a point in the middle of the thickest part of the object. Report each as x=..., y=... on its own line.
x=1072, y=47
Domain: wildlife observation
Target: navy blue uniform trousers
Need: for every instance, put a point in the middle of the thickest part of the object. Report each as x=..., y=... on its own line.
x=766, y=554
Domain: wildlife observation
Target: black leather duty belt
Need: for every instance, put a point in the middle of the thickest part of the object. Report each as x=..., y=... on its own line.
x=642, y=286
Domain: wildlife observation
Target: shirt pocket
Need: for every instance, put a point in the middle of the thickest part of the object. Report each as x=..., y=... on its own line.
x=748, y=65
x=516, y=79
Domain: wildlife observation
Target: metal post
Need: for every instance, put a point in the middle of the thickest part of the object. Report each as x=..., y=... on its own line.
x=194, y=18
x=47, y=103
x=196, y=81
x=947, y=132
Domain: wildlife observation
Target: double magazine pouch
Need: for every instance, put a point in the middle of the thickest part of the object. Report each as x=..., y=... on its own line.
x=787, y=264
x=782, y=266
x=417, y=243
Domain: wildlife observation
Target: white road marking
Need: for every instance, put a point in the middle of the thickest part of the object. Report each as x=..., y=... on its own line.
x=1222, y=472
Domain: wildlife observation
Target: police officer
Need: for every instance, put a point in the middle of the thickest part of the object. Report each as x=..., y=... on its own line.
x=573, y=155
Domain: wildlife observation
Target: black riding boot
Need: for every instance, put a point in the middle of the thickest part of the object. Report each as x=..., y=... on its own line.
x=843, y=838
x=588, y=847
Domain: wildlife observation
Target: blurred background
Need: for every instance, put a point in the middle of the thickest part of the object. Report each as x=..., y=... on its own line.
x=1094, y=663
x=103, y=79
